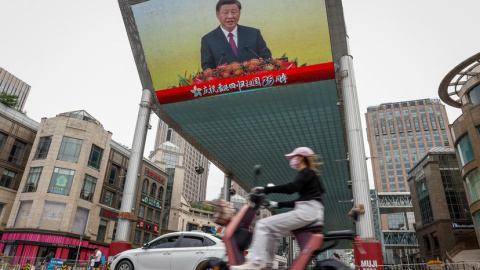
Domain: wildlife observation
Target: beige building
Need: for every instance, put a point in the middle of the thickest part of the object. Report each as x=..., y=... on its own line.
x=12, y=85
x=72, y=188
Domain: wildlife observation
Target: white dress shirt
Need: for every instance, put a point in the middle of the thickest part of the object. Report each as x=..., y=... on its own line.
x=234, y=32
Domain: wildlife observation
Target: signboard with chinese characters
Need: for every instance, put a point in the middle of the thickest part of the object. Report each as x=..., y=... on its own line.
x=109, y=214
x=151, y=202
x=150, y=173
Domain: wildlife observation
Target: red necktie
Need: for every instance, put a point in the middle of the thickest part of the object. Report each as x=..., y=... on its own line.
x=232, y=43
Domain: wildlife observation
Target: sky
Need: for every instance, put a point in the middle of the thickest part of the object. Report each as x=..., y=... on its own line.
x=76, y=56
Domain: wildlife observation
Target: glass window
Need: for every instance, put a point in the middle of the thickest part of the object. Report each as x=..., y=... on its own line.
x=424, y=201
x=88, y=189
x=80, y=222
x=95, y=158
x=16, y=153
x=8, y=178
x=43, y=147
x=70, y=149
x=32, y=180
x=153, y=189
x=102, y=230
x=119, y=202
x=157, y=216
x=3, y=139
x=149, y=214
x=136, y=238
x=473, y=185
x=61, y=181
x=146, y=237
x=23, y=214
x=160, y=193
x=396, y=222
x=112, y=177
x=145, y=186
x=108, y=198
x=141, y=211
x=465, y=150
x=474, y=95
x=191, y=241
x=52, y=216
x=165, y=242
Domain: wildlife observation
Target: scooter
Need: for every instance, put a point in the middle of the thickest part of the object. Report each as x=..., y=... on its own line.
x=311, y=239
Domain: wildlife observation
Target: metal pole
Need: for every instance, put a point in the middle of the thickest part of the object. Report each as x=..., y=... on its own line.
x=78, y=251
x=227, y=184
x=290, y=251
x=124, y=226
x=356, y=149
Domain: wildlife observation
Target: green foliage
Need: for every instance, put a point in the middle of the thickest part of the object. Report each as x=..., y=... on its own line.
x=9, y=100
x=200, y=206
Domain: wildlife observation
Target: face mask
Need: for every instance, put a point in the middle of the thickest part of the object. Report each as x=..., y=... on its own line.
x=294, y=162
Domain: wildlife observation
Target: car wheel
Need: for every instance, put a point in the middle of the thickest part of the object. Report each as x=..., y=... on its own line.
x=124, y=265
x=204, y=266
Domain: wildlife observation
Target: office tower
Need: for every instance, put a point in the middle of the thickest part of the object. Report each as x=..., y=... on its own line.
x=196, y=165
x=12, y=85
x=399, y=135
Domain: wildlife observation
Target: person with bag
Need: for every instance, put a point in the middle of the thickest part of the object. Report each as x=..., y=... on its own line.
x=308, y=209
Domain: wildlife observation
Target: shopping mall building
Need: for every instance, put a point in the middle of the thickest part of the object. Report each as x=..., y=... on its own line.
x=461, y=89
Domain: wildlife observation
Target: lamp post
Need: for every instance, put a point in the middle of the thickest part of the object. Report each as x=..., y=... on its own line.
x=78, y=251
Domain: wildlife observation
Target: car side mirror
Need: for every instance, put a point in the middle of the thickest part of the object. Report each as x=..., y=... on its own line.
x=145, y=246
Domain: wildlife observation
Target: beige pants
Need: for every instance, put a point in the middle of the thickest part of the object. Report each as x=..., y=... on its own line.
x=269, y=230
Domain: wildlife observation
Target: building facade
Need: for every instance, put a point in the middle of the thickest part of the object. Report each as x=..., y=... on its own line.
x=69, y=196
x=195, y=164
x=12, y=85
x=443, y=220
x=461, y=89
x=17, y=134
x=399, y=134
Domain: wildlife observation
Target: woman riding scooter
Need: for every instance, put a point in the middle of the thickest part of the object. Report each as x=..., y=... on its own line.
x=308, y=209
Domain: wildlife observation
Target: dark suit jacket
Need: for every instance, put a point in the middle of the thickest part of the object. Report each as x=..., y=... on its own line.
x=216, y=50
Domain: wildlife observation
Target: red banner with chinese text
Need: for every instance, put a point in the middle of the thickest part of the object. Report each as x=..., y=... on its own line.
x=304, y=74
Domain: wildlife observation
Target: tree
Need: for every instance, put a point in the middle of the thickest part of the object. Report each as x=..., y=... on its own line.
x=9, y=100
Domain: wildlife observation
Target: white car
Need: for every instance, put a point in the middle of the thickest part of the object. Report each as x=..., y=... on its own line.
x=173, y=251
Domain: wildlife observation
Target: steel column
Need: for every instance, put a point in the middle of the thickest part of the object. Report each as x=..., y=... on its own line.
x=124, y=226
x=356, y=149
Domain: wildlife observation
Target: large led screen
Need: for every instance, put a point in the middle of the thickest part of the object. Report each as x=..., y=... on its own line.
x=190, y=53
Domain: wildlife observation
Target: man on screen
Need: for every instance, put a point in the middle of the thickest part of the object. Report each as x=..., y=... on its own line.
x=231, y=42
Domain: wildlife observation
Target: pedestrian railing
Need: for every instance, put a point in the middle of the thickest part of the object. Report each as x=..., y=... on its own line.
x=35, y=263
x=423, y=266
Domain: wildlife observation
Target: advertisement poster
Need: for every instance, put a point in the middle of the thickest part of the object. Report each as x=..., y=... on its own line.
x=277, y=42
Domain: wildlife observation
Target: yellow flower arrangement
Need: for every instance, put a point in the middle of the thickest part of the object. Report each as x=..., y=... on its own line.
x=433, y=262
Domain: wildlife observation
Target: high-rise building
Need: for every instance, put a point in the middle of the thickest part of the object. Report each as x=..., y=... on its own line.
x=399, y=135
x=196, y=165
x=12, y=85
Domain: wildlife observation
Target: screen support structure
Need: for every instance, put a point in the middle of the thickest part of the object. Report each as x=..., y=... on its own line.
x=127, y=216
x=358, y=167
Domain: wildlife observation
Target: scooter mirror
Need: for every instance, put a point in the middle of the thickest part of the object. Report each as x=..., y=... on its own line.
x=270, y=185
x=256, y=169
